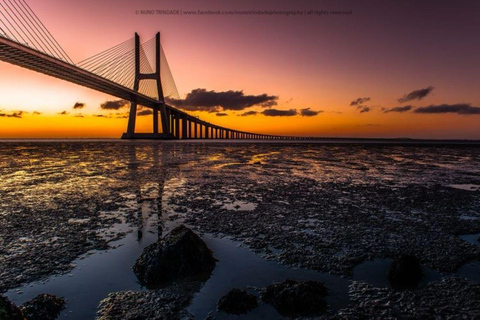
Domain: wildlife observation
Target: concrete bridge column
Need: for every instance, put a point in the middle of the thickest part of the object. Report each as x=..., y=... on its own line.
x=132, y=119
x=196, y=130
x=177, y=125
x=155, y=121
x=184, y=127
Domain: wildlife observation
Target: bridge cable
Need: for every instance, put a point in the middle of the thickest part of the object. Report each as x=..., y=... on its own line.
x=32, y=38
x=44, y=39
x=67, y=57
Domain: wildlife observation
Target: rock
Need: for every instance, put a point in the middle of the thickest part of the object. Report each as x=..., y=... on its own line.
x=297, y=298
x=180, y=254
x=165, y=303
x=237, y=301
x=405, y=272
x=43, y=307
x=9, y=311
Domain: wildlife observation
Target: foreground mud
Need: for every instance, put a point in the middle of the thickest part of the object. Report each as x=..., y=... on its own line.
x=326, y=207
x=451, y=298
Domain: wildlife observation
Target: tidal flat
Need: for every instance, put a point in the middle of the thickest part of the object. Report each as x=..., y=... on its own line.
x=75, y=215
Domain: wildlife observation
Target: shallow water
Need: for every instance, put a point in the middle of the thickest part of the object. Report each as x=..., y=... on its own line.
x=309, y=205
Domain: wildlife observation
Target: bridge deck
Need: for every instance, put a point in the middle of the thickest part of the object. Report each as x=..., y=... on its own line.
x=26, y=57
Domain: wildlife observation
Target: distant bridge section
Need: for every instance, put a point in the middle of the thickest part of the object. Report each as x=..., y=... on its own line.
x=132, y=71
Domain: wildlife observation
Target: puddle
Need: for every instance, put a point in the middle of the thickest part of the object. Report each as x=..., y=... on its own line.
x=94, y=277
x=238, y=267
x=240, y=206
x=471, y=238
x=470, y=270
x=468, y=187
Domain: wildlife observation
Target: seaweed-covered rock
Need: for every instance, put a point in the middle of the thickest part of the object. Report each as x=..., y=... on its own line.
x=166, y=303
x=8, y=310
x=180, y=254
x=405, y=272
x=297, y=298
x=237, y=301
x=43, y=307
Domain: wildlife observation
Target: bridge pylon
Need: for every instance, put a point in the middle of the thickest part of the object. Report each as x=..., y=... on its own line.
x=159, y=107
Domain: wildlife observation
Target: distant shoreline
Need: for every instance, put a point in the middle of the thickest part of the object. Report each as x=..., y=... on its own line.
x=301, y=140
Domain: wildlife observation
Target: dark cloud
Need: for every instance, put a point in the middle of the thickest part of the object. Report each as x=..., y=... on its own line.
x=36, y=113
x=248, y=113
x=369, y=125
x=100, y=116
x=221, y=114
x=359, y=101
x=114, y=105
x=63, y=113
x=309, y=113
x=459, y=108
x=364, y=109
x=279, y=113
x=145, y=112
x=416, y=94
x=78, y=105
x=17, y=114
x=211, y=101
x=399, y=109
x=79, y=115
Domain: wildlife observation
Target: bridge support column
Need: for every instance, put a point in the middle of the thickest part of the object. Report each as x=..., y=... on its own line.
x=155, y=121
x=196, y=130
x=131, y=120
x=184, y=127
x=177, y=125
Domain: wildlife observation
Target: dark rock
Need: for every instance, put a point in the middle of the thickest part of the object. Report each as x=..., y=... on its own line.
x=180, y=254
x=405, y=272
x=237, y=301
x=297, y=298
x=43, y=307
x=8, y=310
x=165, y=303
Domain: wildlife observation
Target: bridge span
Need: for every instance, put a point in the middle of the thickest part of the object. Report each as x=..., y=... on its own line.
x=119, y=71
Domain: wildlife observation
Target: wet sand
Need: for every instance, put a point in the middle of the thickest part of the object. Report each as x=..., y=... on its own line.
x=333, y=212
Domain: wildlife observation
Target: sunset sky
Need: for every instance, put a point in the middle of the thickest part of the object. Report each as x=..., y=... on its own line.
x=388, y=69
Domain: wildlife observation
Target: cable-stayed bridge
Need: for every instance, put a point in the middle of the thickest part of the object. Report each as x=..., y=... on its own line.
x=133, y=71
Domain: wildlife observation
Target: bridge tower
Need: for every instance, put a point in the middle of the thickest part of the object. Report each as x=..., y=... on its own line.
x=160, y=107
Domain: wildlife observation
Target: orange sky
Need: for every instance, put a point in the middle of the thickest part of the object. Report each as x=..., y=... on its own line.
x=322, y=64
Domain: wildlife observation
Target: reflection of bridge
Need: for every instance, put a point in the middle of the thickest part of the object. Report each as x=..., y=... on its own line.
x=123, y=71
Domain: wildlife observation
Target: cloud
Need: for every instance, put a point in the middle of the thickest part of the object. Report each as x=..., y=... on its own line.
x=221, y=114
x=17, y=114
x=416, y=94
x=459, y=108
x=100, y=116
x=79, y=115
x=36, y=113
x=399, y=109
x=114, y=104
x=63, y=113
x=78, y=105
x=364, y=109
x=248, y=113
x=359, y=101
x=145, y=112
x=211, y=101
x=279, y=113
x=369, y=125
x=309, y=113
